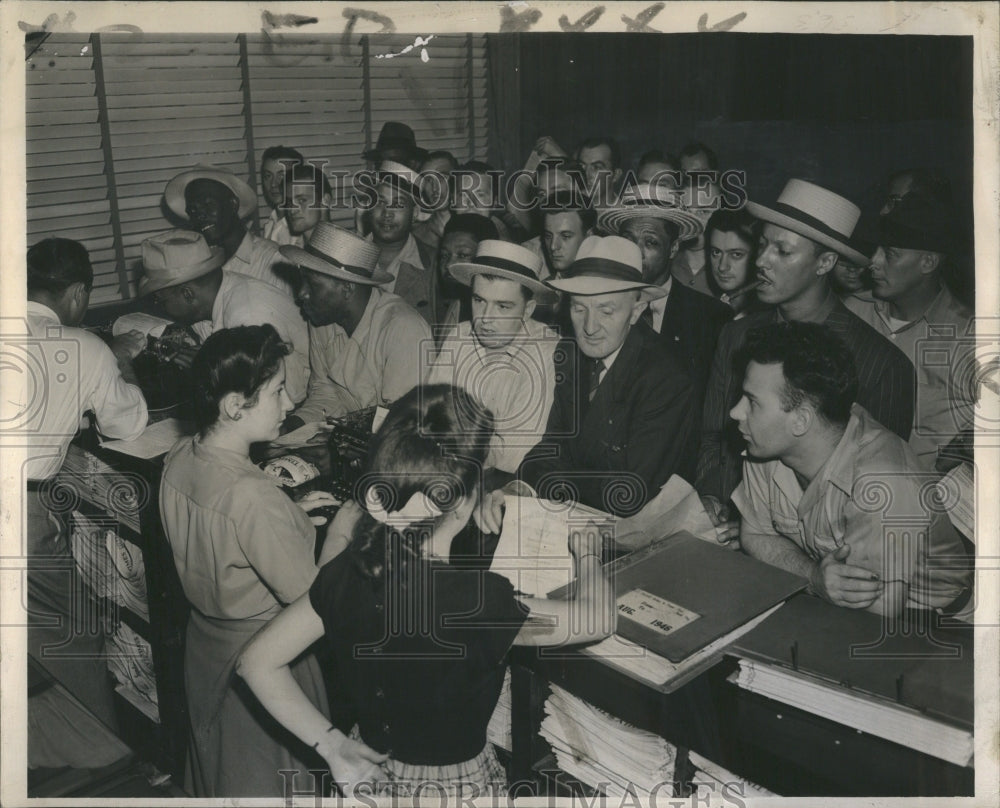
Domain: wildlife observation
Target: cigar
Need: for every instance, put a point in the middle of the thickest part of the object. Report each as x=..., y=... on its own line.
x=744, y=289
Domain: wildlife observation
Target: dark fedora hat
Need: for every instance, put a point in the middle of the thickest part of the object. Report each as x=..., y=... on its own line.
x=919, y=222
x=395, y=140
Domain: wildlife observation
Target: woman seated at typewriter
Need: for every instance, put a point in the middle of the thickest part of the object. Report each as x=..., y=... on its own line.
x=421, y=644
x=243, y=550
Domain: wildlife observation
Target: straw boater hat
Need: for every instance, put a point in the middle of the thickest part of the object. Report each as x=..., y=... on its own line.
x=175, y=257
x=817, y=214
x=406, y=180
x=505, y=260
x=605, y=265
x=339, y=253
x=174, y=192
x=644, y=201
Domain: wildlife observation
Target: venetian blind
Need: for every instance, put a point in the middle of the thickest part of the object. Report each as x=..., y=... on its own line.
x=111, y=118
x=67, y=187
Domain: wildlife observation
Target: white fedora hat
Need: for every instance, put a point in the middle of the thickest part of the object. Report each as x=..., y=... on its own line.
x=174, y=192
x=175, y=257
x=605, y=265
x=505, y=260
x=816, y=213
x=649, y=201
x=339, y=253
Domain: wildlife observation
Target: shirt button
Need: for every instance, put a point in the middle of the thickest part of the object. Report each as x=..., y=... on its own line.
x=379, y=693
x=385, y=727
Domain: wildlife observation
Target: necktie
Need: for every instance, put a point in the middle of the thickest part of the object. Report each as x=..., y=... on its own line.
x=595, y=377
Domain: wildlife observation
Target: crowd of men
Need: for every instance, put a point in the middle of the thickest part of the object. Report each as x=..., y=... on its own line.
x=626, y=327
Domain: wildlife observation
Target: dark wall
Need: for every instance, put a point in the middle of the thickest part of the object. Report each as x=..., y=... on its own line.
x=842, y=110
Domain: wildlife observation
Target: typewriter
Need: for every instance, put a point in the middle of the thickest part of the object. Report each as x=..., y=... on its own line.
x=348, y=443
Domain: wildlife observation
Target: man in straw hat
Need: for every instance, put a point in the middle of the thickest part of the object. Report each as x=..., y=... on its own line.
x=623, y=413
x=503, y=356
x=408, y=262
x=364, y=342
x=914, y=309
x=186, y=278
x=216, y=203
x=686, y=320
x=803, y=235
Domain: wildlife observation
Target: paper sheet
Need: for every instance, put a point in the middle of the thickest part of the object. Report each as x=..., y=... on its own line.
x=138, y=321
x=533, y=551
x=155, y=440
x=676, y=507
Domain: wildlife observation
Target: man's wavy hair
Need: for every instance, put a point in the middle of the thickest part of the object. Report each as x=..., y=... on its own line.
x=816, y=364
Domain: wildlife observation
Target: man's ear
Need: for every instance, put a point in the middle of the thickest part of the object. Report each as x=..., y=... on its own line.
x=616, y=176
x=188, y=294
x=347, y=289
x=231, y=405
x=929, y=261
x=675, y=245
x=79, y=293
x=803, y=417
x=529, y=308
x=825, y=262
x=637, y=309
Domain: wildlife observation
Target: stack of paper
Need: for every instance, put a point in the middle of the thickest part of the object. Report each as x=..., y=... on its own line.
x=128, y=588
x=604, y=752
x=130, y=660
x=710, y=779
x=498, y=730
x=894, y=722
x=87, y=543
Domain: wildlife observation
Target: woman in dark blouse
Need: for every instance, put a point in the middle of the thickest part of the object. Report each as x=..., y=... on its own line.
x=421, y=644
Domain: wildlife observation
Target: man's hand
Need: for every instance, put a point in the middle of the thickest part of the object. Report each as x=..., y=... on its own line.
x=726, y=530
x=129, y=345
x=843, y=584
x=315, y=500
x=488, y=512
x=547, y=147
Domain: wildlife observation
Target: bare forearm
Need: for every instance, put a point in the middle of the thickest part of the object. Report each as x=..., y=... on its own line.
x=778, y=552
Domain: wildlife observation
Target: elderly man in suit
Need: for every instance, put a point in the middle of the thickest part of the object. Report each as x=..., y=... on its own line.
x=685, y=319
x=624, y=411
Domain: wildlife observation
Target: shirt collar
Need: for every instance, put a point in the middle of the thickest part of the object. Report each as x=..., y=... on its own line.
x=661, y=303
x=409, y=254
x=245, y=251
x=942, y=309
x=512, y=348
x=609, y=360
x=41, y=310
x=367, y=319
x=840, y=467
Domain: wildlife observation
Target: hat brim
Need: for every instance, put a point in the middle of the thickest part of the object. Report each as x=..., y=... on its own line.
x=766, y=214
x=174, y=192
x=148, y=285
x=301, y=258
x=594, y=285
x=375, y=153
x=614, y=219
x=465, y=272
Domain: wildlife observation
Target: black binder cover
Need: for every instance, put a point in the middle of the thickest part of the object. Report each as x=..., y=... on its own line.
x=913, y=663
x=725, y=588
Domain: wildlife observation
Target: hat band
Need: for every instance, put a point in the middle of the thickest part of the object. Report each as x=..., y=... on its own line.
x=897, y=234
x=810, y=221
x=403, y=184
x=365, y=273
x=605, y=268
x=505, y=265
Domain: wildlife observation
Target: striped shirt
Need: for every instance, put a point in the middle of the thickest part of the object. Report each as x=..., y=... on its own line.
x=886, y=384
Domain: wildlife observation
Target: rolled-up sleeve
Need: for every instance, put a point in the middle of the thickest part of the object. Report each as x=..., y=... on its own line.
x=118, y=406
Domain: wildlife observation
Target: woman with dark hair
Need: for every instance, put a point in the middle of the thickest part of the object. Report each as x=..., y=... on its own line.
x=422, y=644
x=243, y=550
x=731, y=253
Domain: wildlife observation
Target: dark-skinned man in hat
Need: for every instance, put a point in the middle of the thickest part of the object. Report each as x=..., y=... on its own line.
x=216, y=203
x=364, y=343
